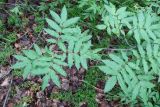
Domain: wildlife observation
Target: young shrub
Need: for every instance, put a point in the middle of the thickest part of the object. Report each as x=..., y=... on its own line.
x=38, y=63
x=73, y=46
x=135, y=71
x=115, y=20
x=142, y=25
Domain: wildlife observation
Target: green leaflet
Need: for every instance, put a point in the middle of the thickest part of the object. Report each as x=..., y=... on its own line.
x=151, y=34
x=54, y=78
x=133, y=66
x=149, y=50
x=40, y=71
x=126, y=77
x=111, y=9
x=137, y=36
x=85, y=38
x=62, y=46
x=53, y=25
x=141, y=19
x=108, y=70
x=144, y=35
x=59, y=69
x=122, y=83
x=77, y=61
x=21, y=58
x=111, y=64
x=70, y=60
x=155, y=50
x=19, y=65
x=77, y=46
x=130, y=72
x=147, y=84
x=40, y=63
x=38, y=50
x=59, y=62
x=69, y=30
x=68, y=37
x=155, y=27
x=141, y=51
x=116, y=59
x=101, y=27
x=64, y=14
x=124, y=56
x=135, y=91
x=27, y=70
x=84, y=62
x=30, y=54
x=110, y=83
x=45, y=81
x=45, y=58
x=146, y=77
x=52, y=33
x=70, y=22
x=121, y=10
x=55, y=16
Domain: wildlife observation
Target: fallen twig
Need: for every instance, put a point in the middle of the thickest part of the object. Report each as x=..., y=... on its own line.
x=6, y=98
x=5, y=75
x=98, y=89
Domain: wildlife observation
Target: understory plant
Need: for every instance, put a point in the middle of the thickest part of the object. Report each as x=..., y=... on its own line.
x=136, y=71
x=67, y=47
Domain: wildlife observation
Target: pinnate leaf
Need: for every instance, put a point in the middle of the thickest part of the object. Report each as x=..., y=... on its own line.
x=110, y=83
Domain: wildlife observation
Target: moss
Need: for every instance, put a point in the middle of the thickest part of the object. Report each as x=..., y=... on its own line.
x=11, y=37
x=26, y=85
x=40, y=23
x=17, y=73
x=30, y=85
x=35, y=87
x=6, y=51
x=86, y=93
x=26, y=99
x=6, y=47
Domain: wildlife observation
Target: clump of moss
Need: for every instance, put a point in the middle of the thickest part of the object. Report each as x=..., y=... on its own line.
x=85, y=93
x=6, y=51
x=6, y=47
x=26, y=85
x=35, y=87
x=17, y=73
x=26, y=100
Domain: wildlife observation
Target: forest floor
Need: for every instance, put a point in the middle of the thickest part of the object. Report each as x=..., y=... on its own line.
x=20, y=29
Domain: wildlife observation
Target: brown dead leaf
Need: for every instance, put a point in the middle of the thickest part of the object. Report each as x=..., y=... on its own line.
x=10, y=105
x=17, y=45
x=65, y=84
x=83, y=104
x=19, y=35
x=5, y=70
x=39, y=94
x=5, y=82
x=104, y=104
x=81, y=71
x=2, y=96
